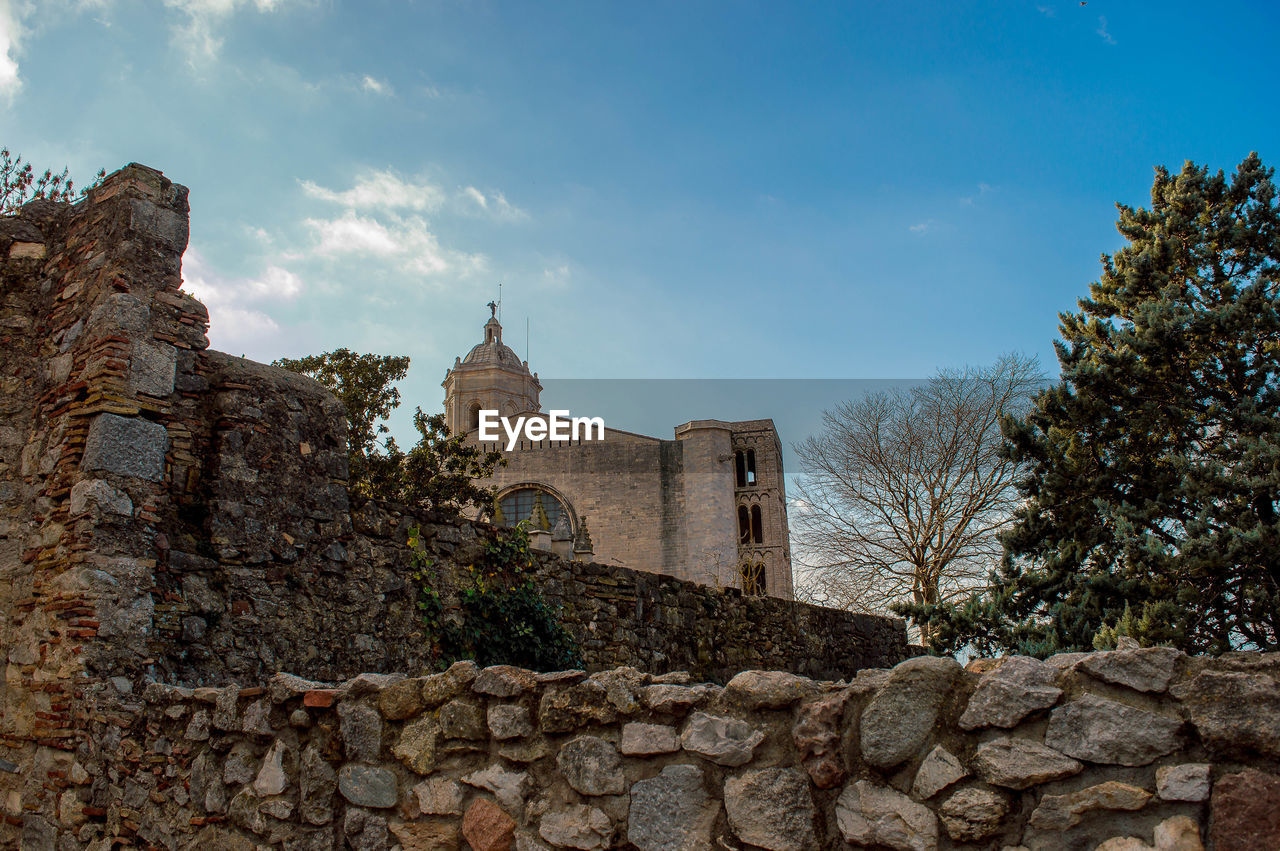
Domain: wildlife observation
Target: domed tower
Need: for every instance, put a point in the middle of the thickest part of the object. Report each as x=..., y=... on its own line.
x=490, y=377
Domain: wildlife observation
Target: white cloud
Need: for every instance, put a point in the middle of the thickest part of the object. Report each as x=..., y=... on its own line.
x=12, y=28
x=352, y=234
x=983, y=189
x=381, y=189
x=557, y=276
x=238, y=317
x=373, y=84
x=200, y=37
x=1047, y=11
x=407, y=241
x=1102, y=30
x=921, y=227
x=495, y=204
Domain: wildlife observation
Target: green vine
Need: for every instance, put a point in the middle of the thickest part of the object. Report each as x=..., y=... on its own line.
x=501, y=617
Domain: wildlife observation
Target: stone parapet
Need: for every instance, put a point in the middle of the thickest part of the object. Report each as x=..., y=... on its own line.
x=1128, y=749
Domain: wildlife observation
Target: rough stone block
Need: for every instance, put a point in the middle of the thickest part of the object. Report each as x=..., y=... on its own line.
x=126, y=446
x=152, y=368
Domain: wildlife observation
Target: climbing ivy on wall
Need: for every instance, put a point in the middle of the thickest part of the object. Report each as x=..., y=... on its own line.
x=501, y=617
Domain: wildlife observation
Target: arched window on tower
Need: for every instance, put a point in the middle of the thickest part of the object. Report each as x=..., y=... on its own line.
x=740, y=463
x=751, y=466
x=744, y=525
x=757, y=528
x=473, y=416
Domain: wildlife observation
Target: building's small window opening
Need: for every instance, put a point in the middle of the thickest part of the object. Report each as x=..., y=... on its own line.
x=751, y=466
x=752, y=579
x=473, y=416
x=744, y=525
x=756, y=525
x=740, y=462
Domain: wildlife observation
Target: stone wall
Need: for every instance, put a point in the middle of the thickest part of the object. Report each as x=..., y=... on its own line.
x=1119, y=751
x=172, y=514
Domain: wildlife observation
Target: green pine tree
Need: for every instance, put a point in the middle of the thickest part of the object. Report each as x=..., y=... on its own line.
x=1154, y=465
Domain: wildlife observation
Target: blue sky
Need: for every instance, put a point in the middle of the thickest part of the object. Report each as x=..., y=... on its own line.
x=667, y=190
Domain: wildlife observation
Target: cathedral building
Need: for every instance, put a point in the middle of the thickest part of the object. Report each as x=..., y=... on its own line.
x=707, y=505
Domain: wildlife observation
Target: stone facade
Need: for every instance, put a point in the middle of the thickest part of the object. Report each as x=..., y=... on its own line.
x=173, y=514
x=1118, y=751
x=708, y=506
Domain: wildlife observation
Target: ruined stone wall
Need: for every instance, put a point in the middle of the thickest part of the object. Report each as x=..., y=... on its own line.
x=172, y=514
x=1119, y=751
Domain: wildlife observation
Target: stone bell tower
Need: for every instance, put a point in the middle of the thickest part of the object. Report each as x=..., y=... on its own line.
x=490, y=377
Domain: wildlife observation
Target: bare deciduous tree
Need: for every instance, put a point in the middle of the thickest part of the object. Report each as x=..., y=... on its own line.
x=903, y=495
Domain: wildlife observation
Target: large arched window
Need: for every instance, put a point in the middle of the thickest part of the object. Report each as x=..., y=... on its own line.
x=744, y=525
x=520, y=504
x=473, y=416
x=757, y=527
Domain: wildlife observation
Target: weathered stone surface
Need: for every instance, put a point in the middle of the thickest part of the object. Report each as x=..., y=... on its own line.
x=271, y=779
x=438, y=688
x=282, y=686
x=938, y=771
x=91, y=492
x=769, y=689
x=361, y=727
x=367, y=785
x=1186, y=782
x=771, y=808
x=525, y=750
x=487, y=828
x=867, y=815
x=592, y=766
x=577, y=826
x=461, y=719
x=439, y=796
x=1178, y=833
x=401, y=700
x=152, y=367
x=509, y=787
x=509, y=721
x=973, y=813
x=240, y=765
x=1245, y=812
x=504, y=681
x=898, y=720
x=418, y=744
x=1123, y=843
x=1014, y=689
x=317, y=781
x=365, y=831
x=817, y=738
x=1149, y=670
x=126, y=446
x=1019, y=763
x=676, y=699
x=562, y=710
x=1237, y=713
x=647, y=739
x=425, y=835
x=725, y=741
x=671, y=811
x=1102, y=730
x=1060, y=812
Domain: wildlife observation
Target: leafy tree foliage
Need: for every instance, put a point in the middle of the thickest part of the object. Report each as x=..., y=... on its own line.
x=19, y=183
x=438, y=472
x=1154, y=466
x=904, y=493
